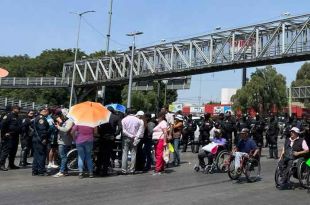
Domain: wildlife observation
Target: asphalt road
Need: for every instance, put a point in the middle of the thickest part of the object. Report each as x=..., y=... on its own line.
x=180, y=185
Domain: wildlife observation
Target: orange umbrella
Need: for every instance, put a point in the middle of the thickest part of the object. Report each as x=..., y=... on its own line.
x=90, y=114
x=3, y=73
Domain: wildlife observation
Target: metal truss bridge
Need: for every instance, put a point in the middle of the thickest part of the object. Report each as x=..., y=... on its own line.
x=301, y=92
x=275, y=42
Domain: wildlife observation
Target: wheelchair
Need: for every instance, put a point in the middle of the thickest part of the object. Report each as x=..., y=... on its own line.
x=219, y=163
x=299, y=170
x=249, y=166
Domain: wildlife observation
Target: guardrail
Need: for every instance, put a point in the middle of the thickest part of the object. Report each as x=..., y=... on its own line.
x=23, y=105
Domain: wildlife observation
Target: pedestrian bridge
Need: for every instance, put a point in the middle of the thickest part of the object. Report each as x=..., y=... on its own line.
x=275, y=42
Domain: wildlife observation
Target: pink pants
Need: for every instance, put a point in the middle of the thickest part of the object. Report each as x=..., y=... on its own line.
x=159, y=149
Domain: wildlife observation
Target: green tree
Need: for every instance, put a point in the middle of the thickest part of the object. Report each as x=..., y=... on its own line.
x=147, y=100
x=265, y=90
x=303, y=79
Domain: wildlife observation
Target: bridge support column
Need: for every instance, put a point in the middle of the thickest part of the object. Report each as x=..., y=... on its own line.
x=243, y=77
x=158, y=97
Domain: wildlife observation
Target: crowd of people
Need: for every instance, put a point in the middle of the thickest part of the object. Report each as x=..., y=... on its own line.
x=49, y=135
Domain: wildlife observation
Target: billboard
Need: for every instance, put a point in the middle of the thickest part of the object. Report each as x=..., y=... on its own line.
x=175, y=107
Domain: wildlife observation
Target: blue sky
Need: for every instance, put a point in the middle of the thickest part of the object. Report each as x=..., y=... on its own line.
x=30, y=26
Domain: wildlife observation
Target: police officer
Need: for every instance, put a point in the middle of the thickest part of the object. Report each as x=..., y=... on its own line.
x=228, y=126
x=205, y=128
x=272, y=135
x=10, y=137
x=257, y=132
x=39, y=143
x=189, y=132
x=26, y=138
x=7, y=110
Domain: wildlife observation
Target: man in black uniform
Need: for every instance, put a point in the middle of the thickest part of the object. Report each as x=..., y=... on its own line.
x=39, y=143
x=205, y=127
x=272, y=133
x=228, y=126
x=189, y=132
x=107, y=132
x=9, y=138
x=7, y=110
x=26, y=138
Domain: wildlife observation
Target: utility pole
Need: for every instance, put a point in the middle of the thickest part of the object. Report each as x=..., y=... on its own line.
x=107, y=44
x=243, y=77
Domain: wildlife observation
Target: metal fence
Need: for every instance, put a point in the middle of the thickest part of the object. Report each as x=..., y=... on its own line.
x=25, y=106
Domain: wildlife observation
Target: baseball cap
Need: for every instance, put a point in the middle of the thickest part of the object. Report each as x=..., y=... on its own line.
x=245, y=130
x=295, y=129
x=140, y=113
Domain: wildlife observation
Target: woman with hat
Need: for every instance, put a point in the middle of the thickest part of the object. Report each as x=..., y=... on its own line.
x=177, y=128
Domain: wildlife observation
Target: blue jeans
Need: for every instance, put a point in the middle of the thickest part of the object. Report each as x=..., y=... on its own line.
x=63, y=151
x=176, y=153
x=84, y=154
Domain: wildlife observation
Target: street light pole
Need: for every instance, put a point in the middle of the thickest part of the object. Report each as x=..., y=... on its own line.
x=165, y=99
x=75, y=54
x=133, y=34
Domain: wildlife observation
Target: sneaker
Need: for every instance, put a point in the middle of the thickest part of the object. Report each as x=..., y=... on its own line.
x=59, y=174
x=3, y=168
x=91, y=175
x=49, y=166
x=156, y=173
x=124, y=172
x=54, y=166
x=81, y=176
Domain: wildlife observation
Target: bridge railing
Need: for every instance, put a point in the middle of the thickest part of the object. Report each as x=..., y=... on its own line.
x=35, y=82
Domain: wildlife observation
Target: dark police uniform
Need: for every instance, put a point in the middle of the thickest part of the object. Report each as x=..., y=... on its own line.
x=39, y=143
x=272, y=133
x=26, y=139
x=9, y=139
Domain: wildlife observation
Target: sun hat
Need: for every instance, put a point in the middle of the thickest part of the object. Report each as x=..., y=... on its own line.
x=179, y=117
x=140, y=113
x=295, y=129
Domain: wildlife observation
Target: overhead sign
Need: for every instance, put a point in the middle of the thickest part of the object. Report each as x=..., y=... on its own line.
x=179, y=83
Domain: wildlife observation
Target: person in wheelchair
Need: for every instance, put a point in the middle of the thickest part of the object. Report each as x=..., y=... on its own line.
x=294, y=148
x=245, y=147
x=212, y=149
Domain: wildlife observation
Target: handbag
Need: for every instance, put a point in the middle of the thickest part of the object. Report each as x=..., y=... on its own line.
x=171, y=148
x=166, y=154
x=157, y=135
